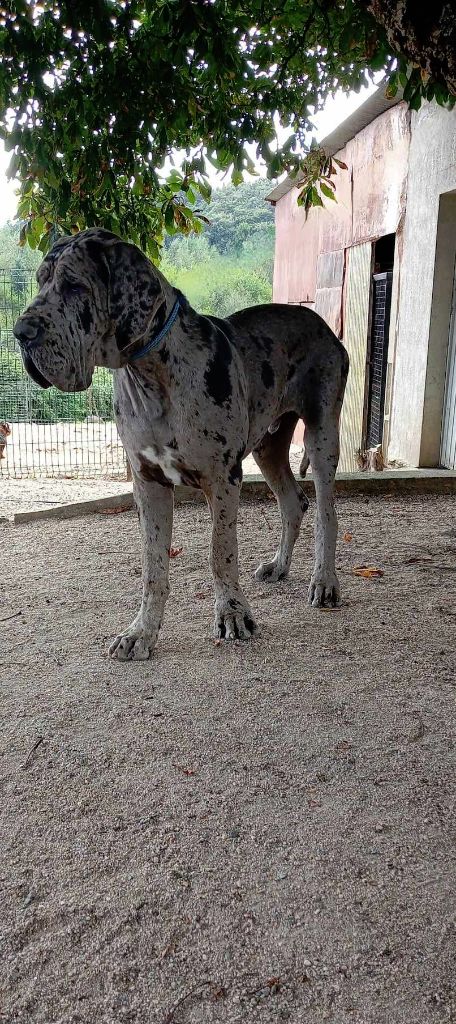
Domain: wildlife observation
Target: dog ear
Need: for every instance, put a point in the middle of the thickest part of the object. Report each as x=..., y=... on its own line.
x=136, y=300
x=46, y=267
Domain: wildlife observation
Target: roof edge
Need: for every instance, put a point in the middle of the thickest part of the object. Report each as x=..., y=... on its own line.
x=372, y=108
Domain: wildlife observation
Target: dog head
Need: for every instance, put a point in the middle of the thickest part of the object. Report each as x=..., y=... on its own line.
x=98, y=296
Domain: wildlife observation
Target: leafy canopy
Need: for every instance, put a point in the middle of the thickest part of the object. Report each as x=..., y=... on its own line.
x=95, y=96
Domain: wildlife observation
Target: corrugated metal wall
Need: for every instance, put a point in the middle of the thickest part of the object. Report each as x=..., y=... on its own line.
x=356, y=333
x=328, y=295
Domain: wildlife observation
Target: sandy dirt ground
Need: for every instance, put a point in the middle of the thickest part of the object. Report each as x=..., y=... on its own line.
x=91, y=447
x=233, y=833
x=27, y=494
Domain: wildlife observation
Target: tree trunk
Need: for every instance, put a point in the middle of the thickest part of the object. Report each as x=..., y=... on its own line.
x=423, y=33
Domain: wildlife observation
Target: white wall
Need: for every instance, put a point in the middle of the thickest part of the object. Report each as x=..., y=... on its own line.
x=413, y=437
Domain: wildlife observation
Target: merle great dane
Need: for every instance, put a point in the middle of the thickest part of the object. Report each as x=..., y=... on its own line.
x=193, y=395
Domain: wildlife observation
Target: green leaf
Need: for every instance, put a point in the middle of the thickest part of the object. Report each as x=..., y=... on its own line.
x=140, y=80
x=415, y=100
x=327, y=191
x=314, y=198
x=392, y=86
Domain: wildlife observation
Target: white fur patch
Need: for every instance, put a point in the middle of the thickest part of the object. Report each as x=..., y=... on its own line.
x=164, y=459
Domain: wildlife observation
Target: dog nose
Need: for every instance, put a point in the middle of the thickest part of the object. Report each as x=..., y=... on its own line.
x=27, y=330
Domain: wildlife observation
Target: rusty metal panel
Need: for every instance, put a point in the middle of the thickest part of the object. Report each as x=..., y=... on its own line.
x=336, y=220
x=379, y=156
x=356, y=331
x=296, y=251
x=328, y=296
x=371, y=197
x=371, y=194
x=330, y=269
x=328, y=303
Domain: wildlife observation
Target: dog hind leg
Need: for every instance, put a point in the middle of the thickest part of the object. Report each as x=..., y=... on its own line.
x=322, y=447
x=273, y=460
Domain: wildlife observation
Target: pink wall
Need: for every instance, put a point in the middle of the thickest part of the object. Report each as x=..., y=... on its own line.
x=370, y=203
x=371, y=197
x=296, y=251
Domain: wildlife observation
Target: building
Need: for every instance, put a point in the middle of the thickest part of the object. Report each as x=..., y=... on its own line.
x=379, y=266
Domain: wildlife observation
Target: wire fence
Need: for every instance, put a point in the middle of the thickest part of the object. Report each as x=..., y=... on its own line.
x=48, y=433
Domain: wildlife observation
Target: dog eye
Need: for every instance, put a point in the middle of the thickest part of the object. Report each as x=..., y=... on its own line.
x=74, y=287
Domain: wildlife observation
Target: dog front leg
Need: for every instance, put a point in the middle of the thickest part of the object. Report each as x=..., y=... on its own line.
x=233, y=618
x=155, y=507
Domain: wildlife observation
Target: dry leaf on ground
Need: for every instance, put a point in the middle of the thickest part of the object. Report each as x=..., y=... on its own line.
x=370, y=572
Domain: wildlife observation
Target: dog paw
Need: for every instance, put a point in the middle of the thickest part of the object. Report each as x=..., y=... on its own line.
x=324, y=591
x=270, y=572
x=233, y=621
x=133, y=645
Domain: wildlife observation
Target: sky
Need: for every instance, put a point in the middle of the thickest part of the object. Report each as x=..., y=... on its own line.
x=335, y=111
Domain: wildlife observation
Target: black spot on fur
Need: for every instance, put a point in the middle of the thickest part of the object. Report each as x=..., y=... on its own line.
x=95, y=254
x=217, y=376
x=86, y=318
x=235, y=474
x=189, y=477
x=164, y=355
x=159, y=320
x=261, y=342
x=267, y=375
x=153, y=474
x=311, y=399
x=123, y=332
x=220, y=438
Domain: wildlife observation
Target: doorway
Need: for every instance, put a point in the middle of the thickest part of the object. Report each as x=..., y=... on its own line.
x=382, y=285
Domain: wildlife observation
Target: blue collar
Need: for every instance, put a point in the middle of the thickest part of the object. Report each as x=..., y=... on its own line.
x=154, y=341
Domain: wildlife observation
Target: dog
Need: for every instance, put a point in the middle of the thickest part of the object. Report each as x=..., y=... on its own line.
x=193, y=395
x=5, y=431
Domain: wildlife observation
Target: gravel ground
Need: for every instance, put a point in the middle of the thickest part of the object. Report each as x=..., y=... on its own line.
x=45, y=492
x=230, y=833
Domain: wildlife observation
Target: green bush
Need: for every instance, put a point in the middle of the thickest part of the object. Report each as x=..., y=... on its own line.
x=238, y=290
x=11, y=367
